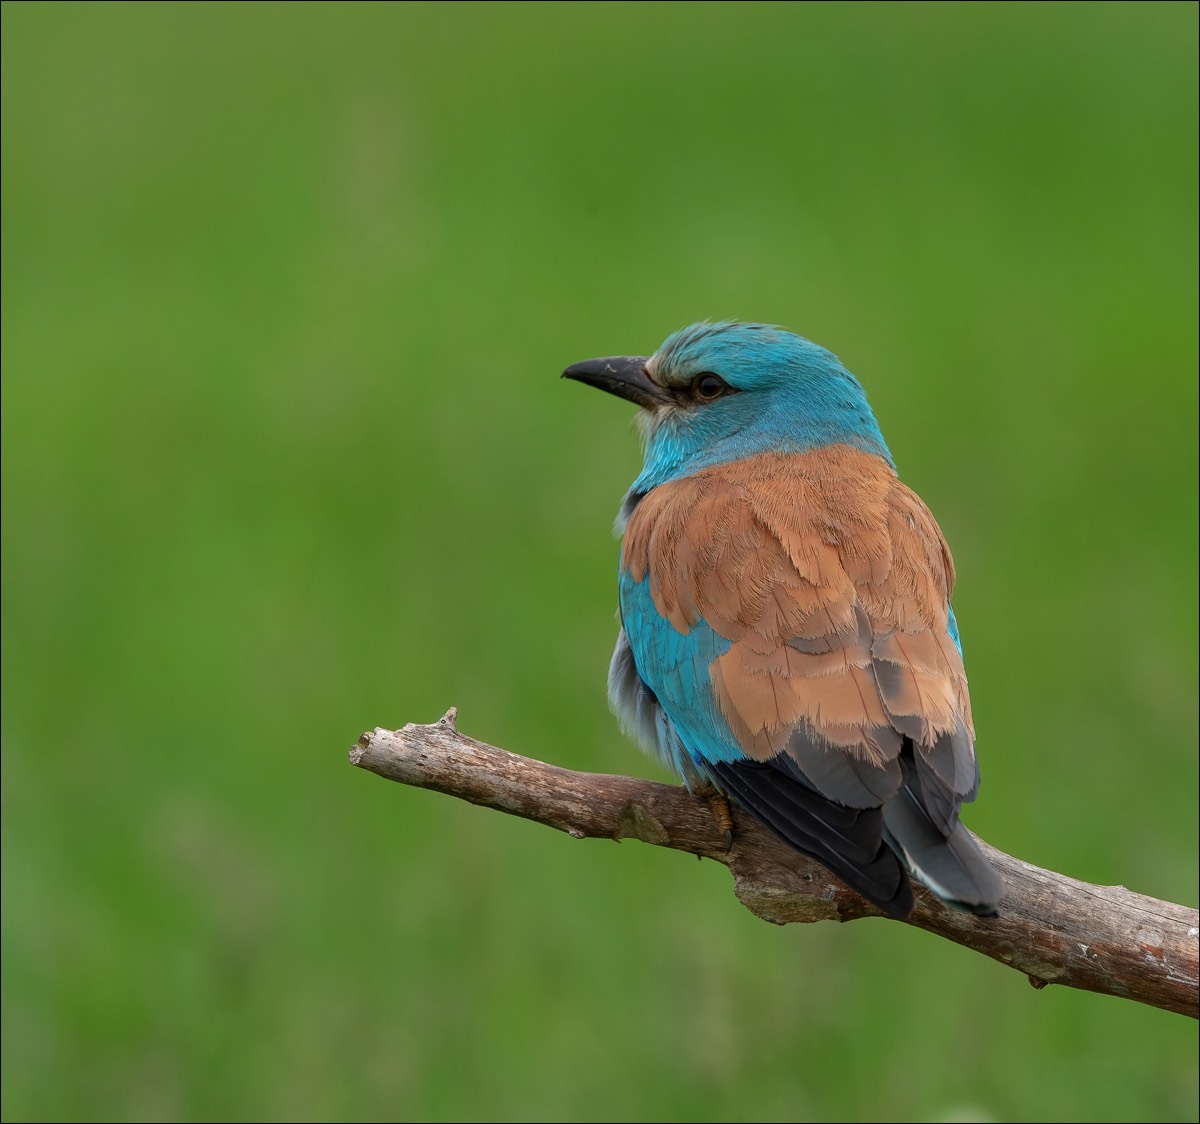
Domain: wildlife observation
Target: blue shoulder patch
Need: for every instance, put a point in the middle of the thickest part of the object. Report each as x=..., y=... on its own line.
x=660, y=690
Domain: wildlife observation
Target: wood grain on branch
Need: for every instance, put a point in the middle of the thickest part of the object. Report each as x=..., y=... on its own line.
x=1053, y=928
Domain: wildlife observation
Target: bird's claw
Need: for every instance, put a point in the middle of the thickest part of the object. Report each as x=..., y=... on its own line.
x=721, y=811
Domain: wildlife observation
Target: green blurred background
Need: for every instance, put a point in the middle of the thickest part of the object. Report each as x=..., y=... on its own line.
x=288, y=288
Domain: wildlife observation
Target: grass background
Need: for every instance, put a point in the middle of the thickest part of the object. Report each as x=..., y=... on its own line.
x=287, y=289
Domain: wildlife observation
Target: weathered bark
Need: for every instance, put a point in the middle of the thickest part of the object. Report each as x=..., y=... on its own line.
x=1051, y=927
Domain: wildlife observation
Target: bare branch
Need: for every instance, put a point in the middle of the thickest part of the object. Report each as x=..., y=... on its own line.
x=1053, y=928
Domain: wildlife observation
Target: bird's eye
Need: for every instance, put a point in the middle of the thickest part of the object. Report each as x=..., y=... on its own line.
x=708, y=386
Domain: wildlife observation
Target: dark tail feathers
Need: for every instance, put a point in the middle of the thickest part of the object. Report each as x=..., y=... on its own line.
x=952, y=867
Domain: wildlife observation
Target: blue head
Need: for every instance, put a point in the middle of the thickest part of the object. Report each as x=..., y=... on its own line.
x=720, y=392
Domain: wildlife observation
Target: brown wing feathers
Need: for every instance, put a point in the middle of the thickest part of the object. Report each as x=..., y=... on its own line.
x=831, y=580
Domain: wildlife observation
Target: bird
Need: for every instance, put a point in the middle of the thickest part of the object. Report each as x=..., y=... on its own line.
x=787, y=637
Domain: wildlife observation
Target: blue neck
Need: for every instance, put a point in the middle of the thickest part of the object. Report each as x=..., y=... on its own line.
x=799, y=420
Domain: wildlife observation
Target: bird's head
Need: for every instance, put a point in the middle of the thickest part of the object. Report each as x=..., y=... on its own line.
x=720, y=392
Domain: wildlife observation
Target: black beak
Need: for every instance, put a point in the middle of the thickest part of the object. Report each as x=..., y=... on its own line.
x=622, y=375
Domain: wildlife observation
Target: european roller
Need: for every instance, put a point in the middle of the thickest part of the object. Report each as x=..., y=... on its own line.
x=786, y=631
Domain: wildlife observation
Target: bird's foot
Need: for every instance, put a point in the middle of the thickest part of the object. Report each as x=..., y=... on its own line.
x=719, y=804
